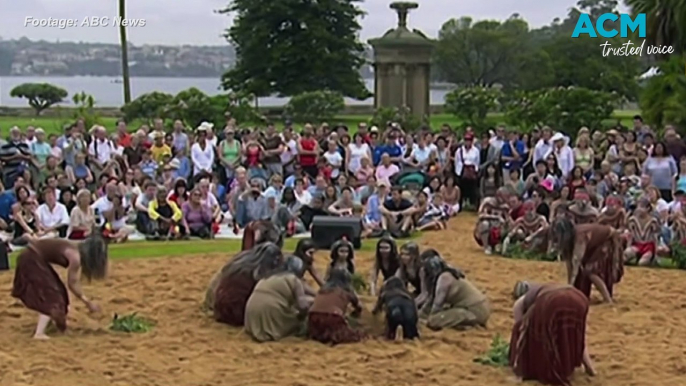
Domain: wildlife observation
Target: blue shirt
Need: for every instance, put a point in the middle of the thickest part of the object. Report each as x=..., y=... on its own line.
x=506, y=151
x=184, y=170
x=7, y=199
x=373, y=211
x=393, y=151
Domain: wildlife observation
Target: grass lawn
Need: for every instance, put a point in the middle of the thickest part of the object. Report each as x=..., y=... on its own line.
x=153, y=249
x=55, y=124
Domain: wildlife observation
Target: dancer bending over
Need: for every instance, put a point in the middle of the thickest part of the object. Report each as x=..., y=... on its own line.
x=592, y=253
x=39, y=287
x=549, y=336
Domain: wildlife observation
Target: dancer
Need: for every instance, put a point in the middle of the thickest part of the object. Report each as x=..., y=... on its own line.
x=411, y=271
x=305, y=250
x=581, y=210
x=592, y=253
x=273, y=310
x=342, y=257
x=454, y=302
x=266, y=234
x=644, y=231
x=233, y=284
x=39, y=287
x=387, y=261
x=530, y=229
x=494, y=215
x=257, y=232
x=399, y=308
x=326, y=322
x=549, y=336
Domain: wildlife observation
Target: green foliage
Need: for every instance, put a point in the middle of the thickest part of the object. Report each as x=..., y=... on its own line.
x=401, y=115
x=498, y=354
x=40, y=95
x=148, y=106
x=240, y=105
x=358, y=282
x=289, y=47
x=563, y=108
x=664, y=95
x=315, y=106
x=131, y=323
x=472, y=104
x=665, y=22
x=678, y=252
x=85, y=109
x=517, y=251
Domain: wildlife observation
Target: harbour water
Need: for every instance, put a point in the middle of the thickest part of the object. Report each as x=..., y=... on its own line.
x=108, y=92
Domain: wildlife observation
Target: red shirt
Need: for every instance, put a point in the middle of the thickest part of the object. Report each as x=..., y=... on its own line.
x=308, y=144
x=326, y=171
x=517, y=212
x=125, y=140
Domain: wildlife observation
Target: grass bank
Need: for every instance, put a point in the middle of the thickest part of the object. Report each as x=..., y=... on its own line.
x=55, y=124
x=153, y=249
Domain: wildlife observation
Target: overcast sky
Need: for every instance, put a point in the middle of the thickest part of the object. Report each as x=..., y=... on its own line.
x=194, y=22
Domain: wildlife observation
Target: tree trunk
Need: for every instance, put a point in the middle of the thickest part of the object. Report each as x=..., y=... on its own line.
x=124, y=53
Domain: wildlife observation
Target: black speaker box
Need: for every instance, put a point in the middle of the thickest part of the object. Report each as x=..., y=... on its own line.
x=326, y=230
x=4, y=258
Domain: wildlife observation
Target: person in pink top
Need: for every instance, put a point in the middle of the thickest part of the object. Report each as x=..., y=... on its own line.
x=386, y=170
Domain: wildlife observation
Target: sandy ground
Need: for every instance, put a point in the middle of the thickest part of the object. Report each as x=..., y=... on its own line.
x=638, y=341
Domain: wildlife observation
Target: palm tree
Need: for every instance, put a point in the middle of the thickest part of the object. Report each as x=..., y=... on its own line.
x=666, y=22
x=124, y=53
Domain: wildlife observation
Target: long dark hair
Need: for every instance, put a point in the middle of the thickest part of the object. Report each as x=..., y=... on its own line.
x=94, y=256
x=301, y=249
x=394, y=287
x=351, y=254
x=434, y=266
x=292, y=264
x=563, y=236
x=259, y=261
x=393, y=258
x=338, y=278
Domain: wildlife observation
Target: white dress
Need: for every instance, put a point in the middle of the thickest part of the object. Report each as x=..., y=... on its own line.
x=356, y=153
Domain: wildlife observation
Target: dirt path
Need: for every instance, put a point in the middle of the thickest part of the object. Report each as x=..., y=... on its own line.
x=636, y=342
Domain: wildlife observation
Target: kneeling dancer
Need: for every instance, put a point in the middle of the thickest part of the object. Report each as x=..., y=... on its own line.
x=326, y=320
x=549, y=336
x=454, y=302
x=39, y=287
x=644, y=232
x=237, y=280
x=592, y=253
x=400, y=309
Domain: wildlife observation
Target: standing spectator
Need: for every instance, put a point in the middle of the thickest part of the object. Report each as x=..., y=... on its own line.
x=202, y=153
x=180, y=141
x=15, y=156
x=289, y=153
x=563, y=154
x=133, y=154
x=422, y=155
x=101, y=152
x=148, y=166
x=511, y=154
x=273, y=148
x=661, y=168
x=467, y=161
x=229, y=152
x=55, y=150
x=334, y=158
x=356, y=151
x=308, y=152
x=159, y=149
x=40, y=149
x=386, y=170
x=675, y=146
x=584, y=155
x=82, y=218
x=52, y=215
x=544, y=146
x=123, y=136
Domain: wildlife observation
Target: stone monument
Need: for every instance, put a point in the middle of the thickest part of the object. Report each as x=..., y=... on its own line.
x=402, y=63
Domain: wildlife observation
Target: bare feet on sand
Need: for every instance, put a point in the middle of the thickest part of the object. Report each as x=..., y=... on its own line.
x=41, y=337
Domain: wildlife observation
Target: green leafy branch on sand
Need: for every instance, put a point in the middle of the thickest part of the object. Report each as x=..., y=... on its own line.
x=498, y=354
x=518, y=251
x=358, y=282
x=131, y=323
x=678, y=255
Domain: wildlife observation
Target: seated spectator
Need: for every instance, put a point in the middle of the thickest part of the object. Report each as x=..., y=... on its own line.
x=179, y=193
x=372, y=220
x=67, y=199
x=55, y=149
x=290, y=202
x=252, y=205
x=168, y=176
x=275, y=187
x=344, y=205
x=147, y=165
x=26, y=224
x=315, y=208
x=51, y=168
x=330, y=196
x=386, y=170
x=301, y=193
x=297, y=174
x=434, y=216
x=142, y=205
x=198, y=217
x=52, y=216
x=101, y=152
x=211, y=202
x=366, y=169
x=82, y=219
x=397, y=213
x=116, y=228
x=166, y=216
x=320, y=185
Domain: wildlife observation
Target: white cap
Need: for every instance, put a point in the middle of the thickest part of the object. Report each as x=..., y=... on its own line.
x=557, y=137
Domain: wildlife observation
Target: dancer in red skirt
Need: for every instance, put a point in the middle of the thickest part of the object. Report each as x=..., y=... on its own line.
x=39, y=287
x=549, y=336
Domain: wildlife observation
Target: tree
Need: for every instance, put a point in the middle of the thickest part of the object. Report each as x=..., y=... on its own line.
x=148, y=106
x=289, y=47
x=663, y=95
x=126, y=80
x=40, y=95
x=315, y=106
x=666, y=22
x=488, y=52
x=472, y=104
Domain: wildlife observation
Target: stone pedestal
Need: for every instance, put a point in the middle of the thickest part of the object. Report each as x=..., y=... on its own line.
x=402, y=63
